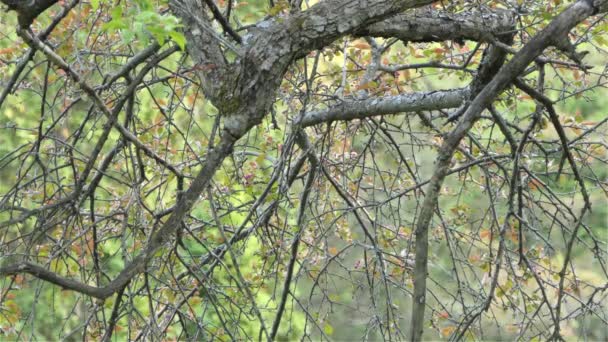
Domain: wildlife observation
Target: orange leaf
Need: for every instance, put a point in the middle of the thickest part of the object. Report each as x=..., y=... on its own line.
x=484, y=234
x=362, y=46
x=6, y=51
x=534, y=184
x=447, y=331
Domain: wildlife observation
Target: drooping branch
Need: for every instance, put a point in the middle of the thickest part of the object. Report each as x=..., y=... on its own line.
x=548, y=104
x=558, y=28
x=41, y=272
x=296, y=240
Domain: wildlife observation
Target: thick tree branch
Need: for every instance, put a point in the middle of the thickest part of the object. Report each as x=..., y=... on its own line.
x=426, y=25
x=412, y=102
x=204, y=45
x=274, y=45
x=329, y=20
x=28, y=10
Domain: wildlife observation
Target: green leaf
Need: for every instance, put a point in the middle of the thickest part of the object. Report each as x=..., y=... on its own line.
x=328, y=329
x=117, y=21
x=128, y=36
x=508, y=285
x=178, y=38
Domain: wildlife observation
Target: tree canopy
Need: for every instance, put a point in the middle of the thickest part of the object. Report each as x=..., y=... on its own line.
x=317, y=169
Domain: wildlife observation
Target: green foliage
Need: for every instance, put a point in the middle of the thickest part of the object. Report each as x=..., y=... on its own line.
x=144, y=23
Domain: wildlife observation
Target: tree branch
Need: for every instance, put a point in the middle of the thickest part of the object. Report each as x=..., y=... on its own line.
x=426, y=25
x=548, y=104
x=225, y=24
x=28, y=10
x=53, y=278
x=412, y=102
x=203, y=45
x=559, y=26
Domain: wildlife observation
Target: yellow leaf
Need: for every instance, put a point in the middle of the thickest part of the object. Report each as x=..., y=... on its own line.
x=368, y=85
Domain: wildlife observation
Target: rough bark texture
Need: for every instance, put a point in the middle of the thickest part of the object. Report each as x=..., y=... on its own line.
x=359, y=109
x=429, y=25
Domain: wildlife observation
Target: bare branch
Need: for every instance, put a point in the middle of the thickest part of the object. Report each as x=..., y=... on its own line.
x=403, y=103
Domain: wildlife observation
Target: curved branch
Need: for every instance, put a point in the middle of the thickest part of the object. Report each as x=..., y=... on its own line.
x=432, y=25
x=53, y=278
x=548, y=104
x=329, y=20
